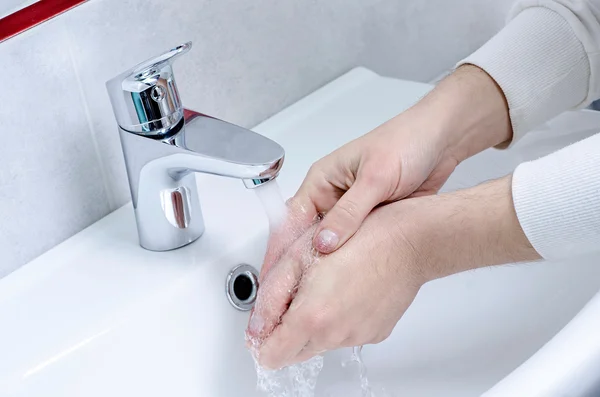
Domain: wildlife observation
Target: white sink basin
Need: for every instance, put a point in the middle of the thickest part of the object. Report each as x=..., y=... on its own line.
x=99, y=316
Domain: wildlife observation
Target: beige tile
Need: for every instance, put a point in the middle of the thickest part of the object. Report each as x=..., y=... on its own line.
x=50, y=180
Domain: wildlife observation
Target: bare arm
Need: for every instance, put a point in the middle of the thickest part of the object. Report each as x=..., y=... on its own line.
x=466, y=229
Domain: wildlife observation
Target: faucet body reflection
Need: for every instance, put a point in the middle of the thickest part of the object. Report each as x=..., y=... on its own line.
x=164, y=145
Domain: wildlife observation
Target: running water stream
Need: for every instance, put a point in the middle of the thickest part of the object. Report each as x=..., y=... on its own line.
x=356, y=357
x=273, y=203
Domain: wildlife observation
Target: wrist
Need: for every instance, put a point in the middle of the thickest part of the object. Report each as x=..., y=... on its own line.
x=467, y=111
x=466, y=229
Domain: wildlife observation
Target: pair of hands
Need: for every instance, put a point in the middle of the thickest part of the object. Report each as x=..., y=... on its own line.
x=348, y=279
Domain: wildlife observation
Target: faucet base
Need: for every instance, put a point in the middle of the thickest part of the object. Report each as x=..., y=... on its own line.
x=168, y=214
x=165, y=200
x=169, y=248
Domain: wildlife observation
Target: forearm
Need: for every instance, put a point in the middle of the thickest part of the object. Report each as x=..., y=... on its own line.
x=466, y=229
x=548, y=208
x=468, y=112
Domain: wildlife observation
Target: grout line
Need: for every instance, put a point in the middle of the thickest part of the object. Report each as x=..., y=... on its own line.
x=109, y=193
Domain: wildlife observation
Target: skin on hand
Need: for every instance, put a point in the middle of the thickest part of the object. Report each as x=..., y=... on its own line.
x=311, y=303
x=355, y=296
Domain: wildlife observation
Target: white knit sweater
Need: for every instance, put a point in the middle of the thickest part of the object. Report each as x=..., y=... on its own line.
x=547, y=60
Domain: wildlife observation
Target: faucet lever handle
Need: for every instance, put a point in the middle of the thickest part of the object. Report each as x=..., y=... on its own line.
x=145, y=99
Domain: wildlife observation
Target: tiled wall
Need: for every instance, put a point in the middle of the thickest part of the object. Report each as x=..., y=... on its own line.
x=61, y=167
x=10, y=6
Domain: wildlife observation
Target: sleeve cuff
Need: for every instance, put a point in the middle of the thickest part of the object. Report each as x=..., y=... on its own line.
x=540, y=65
x=557, y=200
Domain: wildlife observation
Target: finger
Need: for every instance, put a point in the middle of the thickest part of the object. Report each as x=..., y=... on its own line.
x=346, y=216
x=308, y=352
x=285, y=343
x=274, y=297
x=300, y=216
x=279, y=287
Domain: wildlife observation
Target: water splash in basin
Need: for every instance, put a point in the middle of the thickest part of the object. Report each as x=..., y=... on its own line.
x=298, y=380
x=356, y=357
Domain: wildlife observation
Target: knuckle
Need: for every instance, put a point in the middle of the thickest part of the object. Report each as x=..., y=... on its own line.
x=348, y=209
x=373, y=178
x=315, y=169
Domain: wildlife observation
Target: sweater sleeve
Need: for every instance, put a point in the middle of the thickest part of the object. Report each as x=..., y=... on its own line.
x=546, y=60
x=557, y=200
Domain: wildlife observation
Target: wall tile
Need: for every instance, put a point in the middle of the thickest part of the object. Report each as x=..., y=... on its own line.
x=418, y=40
x=50, y=181
x=11, y=6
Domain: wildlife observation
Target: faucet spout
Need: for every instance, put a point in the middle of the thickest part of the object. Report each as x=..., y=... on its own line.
x=226, y=149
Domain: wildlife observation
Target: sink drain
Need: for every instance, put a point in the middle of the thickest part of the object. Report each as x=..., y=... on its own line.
x=242, y=286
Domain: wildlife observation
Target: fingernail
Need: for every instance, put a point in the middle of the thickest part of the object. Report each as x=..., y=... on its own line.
x=326, y=241
x=256, y=324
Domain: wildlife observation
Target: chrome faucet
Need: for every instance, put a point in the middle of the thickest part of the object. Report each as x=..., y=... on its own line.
x=164, y=144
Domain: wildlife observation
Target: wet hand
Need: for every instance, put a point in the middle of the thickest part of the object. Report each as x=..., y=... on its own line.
x=352, y=297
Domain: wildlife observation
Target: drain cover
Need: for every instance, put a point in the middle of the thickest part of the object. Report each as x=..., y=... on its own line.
x=242, y=286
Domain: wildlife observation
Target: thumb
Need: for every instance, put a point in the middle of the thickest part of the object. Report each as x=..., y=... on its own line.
x=346, y=216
